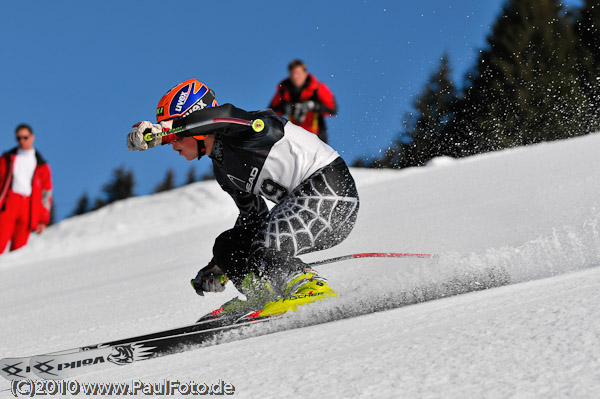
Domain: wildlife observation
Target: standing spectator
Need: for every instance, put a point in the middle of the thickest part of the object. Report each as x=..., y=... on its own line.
x=25, y=191
x=304, y=100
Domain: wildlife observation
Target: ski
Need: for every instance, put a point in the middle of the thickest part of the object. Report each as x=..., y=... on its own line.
x=65, y=365
x=212, y=323
x=19, y=367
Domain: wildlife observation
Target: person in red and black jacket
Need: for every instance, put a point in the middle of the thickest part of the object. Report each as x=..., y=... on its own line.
x=25, y=191
x=304, y=100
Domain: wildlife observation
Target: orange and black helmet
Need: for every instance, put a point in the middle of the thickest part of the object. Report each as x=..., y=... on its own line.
x=183, y=99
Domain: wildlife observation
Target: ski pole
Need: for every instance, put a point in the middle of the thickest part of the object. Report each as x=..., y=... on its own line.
x=372, y=255
x=257, y=125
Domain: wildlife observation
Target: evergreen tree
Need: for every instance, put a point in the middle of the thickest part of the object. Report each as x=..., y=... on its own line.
x=168, y=183
x=120, y=187
x=434, y=110
x=360, y=163
x=99, y=203
x=208, y=175
x=525, y=87
x=586, y=25
x=83, y=205
x=191, y=175
x=425, y=133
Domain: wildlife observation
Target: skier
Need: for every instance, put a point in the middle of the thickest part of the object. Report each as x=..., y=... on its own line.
x=259, y=155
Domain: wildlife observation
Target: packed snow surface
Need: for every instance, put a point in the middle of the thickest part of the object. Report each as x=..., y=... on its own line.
x=510, y=308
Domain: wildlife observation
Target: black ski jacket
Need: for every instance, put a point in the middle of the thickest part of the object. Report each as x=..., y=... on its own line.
x=256, y=155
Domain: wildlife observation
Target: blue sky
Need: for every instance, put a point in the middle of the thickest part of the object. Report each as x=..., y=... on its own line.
x=81, y=73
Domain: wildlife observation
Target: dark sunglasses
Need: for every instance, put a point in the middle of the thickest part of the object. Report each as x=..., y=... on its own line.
x=19, y=138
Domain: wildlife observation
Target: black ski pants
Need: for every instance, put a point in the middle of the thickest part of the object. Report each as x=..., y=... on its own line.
x=318, y=214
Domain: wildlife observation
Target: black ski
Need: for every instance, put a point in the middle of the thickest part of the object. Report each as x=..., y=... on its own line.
x=65, y=365
x=18, y=367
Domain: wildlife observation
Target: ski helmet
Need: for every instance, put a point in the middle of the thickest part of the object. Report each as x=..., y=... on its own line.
x=183, y=99
x=187, y=97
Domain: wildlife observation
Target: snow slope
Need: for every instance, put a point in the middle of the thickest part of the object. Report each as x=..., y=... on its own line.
x=524, y=221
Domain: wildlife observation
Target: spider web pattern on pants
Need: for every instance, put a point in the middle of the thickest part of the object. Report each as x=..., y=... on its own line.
x=312, y=218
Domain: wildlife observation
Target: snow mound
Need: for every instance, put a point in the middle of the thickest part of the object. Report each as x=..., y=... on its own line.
x=441, y=161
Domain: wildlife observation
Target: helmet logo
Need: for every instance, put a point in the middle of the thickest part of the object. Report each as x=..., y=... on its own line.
x=182, y=97
x=198, y=106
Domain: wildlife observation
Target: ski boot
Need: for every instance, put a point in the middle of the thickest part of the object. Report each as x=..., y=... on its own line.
x=302, y=288
x=257, y=291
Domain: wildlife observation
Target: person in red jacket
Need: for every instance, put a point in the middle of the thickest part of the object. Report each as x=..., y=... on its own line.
x=25, y=191
x=304, y=100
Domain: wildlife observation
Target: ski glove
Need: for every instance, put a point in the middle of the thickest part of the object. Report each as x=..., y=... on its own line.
x=136, y=140
x=209, y=279
x=301, y=109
